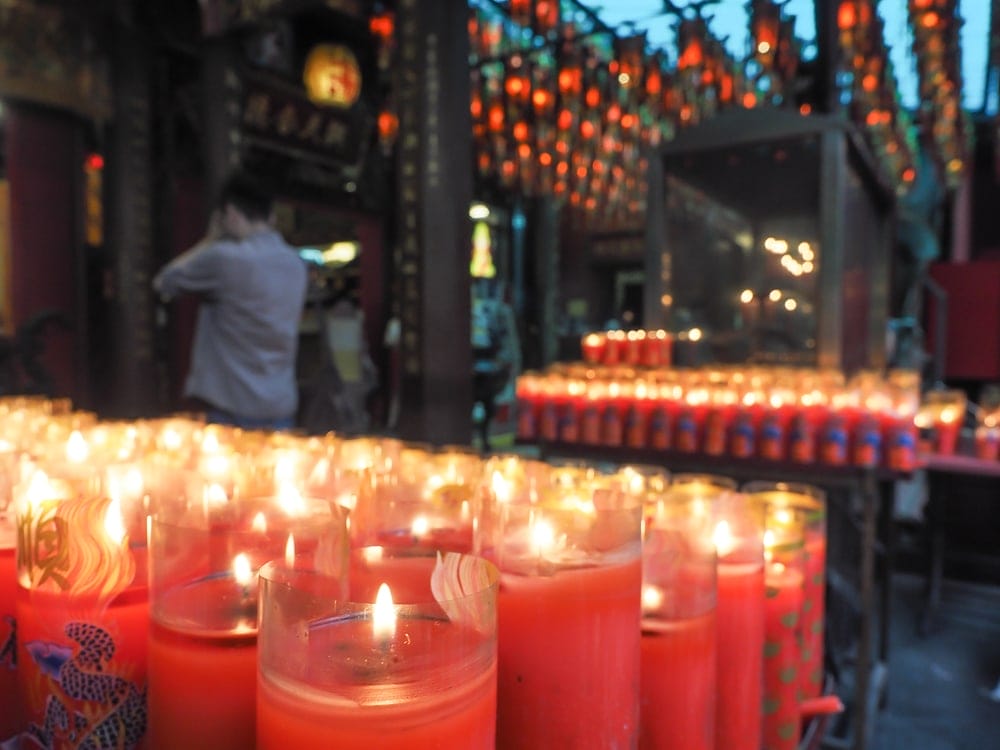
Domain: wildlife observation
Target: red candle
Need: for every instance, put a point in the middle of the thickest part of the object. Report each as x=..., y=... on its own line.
x=556, y=687
x=637, y=420
x=689, y=428
x=678, y=672
x=202, y=655
x=528, y=393
x=592, y=347
x=82, y=627
x=570, y=580
x=740, y=622
x=678, y=683
x=415, y=675
x=10, y=717
x=591, y=415
x=988, y=439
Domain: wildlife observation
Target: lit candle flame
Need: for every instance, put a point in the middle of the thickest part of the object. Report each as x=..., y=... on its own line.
x=652, y=598
x=114, y=523
x=543, y=537
x=77, y=450
x=724, y=540
x=501, y=487
x=242, y=570
x=384, y=615
x=372, y=554
x=290, y=551
x=290, y=500
x=420, y=526
x=259, y=523
x=172, y=439
x=210, y=443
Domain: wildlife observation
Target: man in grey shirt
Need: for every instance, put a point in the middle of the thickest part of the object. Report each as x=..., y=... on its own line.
x=252, y=286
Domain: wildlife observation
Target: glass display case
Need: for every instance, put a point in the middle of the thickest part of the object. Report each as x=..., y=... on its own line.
x=768, y=240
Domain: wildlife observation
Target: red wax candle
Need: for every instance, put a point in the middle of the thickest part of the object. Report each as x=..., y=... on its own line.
x=746, y=426
x=202, y=678
x=637, y=420
x=203, y=653
x=81, y=625
x=592, y=347
x=987, y=442
x=718, y=425
x=740, y=621
x=782, y=656
x=87, y=657
x=813, y=612
x=901, y=443
x=591, y=414
x=528, y=393
x=612, y=418
x=678, y=683
x=569, y=658
x=10, y=717
x=423, y=678
x=689, y=428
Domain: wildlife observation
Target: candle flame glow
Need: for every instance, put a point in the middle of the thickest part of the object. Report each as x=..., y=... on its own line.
x=724, y=540
x=114, y=523
x=77, y=450
x=543, y=537
x=420, y=526
x=501, y=487
x=384, y=614
x=652, y=598
x=259, y=523
x=290, y=500
x=242, y=570
x=290, y=551
x=172, y=439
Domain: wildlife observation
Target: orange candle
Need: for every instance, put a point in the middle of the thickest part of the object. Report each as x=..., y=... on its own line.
x=414, y=675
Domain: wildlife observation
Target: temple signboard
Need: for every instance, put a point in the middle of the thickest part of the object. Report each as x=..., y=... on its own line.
x=219, y=16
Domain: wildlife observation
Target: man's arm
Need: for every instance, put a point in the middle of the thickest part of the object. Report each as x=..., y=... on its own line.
x=194, y=270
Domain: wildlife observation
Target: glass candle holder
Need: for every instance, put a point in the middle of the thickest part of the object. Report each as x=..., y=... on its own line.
x=738, y=534
x=678, y=669
x=431, y=502
x=569, y=616
x=204, y=557
x=784, y=577
x=988, y=436
x=940, y=420
x=408, y=660
x=810, y=503
x=82, y=618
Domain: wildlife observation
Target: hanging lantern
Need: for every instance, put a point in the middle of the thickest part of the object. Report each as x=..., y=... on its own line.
x=546, y=16
x=629, y=58
x=765, y=24
x=521, y=12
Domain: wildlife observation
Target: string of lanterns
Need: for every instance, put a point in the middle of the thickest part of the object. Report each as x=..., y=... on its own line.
x=562, y=106
x=871, y=92
x=936, y=45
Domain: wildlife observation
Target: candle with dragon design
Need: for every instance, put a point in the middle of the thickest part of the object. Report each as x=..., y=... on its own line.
x=82, y=624
x=204, y=557
x=408, y=662
x=678, y=671
x=570, y=579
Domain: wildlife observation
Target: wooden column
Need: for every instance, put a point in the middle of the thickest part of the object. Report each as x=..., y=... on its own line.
x=433, y=234
x=132, y=227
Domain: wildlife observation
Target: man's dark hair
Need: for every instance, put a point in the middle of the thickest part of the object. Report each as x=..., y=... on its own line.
x=243, y=192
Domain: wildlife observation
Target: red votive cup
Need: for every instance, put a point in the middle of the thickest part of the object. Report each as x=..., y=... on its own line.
x=678, y=685
x=569, y=613
x=408, y=661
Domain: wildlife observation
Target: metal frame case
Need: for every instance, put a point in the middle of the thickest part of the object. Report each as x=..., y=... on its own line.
x=762, y=169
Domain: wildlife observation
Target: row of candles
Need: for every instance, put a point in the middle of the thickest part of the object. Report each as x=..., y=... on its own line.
x=176, y=584
x=780, y=414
